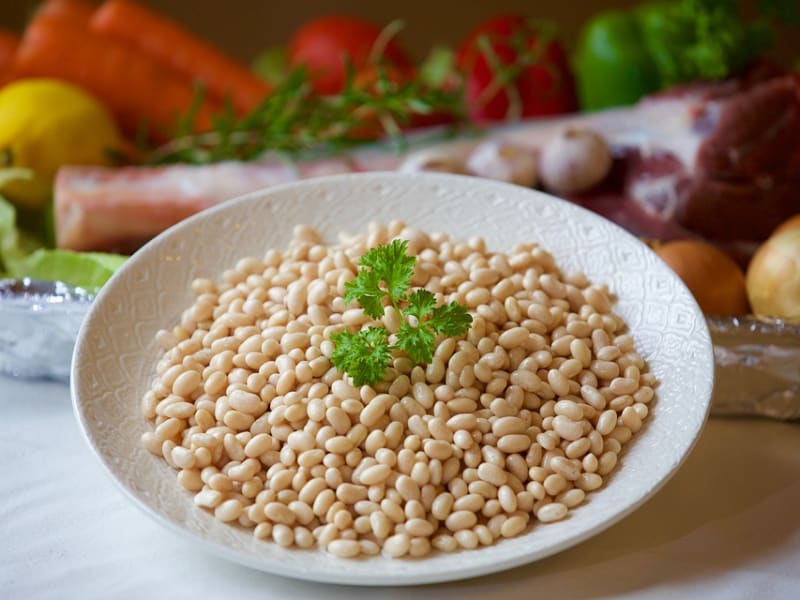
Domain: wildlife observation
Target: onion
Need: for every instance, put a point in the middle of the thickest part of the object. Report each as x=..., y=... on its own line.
x=574, y=161
x=788, y=224
x=715, y=280
x=773, y=277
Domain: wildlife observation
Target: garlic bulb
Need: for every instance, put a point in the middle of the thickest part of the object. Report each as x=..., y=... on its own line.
x=504, y=162
x=574, y=161
x=433, y=159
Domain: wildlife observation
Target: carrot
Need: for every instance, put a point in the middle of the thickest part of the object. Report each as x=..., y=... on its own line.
x=9, y=42
x=134, y=87
x=8, y=48
x=171, y=44
x=77, y=12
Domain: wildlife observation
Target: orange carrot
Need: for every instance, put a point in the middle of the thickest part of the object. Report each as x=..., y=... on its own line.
x=171, y=44
x=8, y=48
x=77, y=12
x=134, y=87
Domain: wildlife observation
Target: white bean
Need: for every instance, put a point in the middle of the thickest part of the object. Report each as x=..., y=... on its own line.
x=526, y=413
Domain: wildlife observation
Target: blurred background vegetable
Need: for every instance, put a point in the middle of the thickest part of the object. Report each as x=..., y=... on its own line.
x=328, y=46
x=700, y=39
x=9, y=42
x=177, y=48
x=788, y=225
x=715, y=280
x=515, y=67
x=773, y=276
x=574, y=161
x=46, y=123
x=74, y=12
x=612, y=64
x=252, y=25
x=125, y=80
x=625, y=54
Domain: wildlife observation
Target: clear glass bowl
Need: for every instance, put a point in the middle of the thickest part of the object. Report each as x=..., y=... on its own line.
x=39, y=323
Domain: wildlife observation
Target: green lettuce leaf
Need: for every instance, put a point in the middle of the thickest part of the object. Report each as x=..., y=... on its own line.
x=88, y=270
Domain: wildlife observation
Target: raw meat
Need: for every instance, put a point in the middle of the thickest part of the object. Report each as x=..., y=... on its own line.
x=718, y=160
x=119, y=209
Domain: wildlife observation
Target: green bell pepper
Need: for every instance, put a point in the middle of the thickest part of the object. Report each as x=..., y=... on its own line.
x=613, y=65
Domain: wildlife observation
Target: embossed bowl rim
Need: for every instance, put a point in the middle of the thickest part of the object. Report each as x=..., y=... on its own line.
x=115, y=353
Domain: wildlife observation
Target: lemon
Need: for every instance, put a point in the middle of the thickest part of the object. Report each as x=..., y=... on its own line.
x=47, y=123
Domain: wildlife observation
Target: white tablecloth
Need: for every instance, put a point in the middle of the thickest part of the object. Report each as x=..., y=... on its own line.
x=726, y=526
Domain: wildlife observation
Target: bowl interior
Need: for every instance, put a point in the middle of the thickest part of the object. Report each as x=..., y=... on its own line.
x=116, y=353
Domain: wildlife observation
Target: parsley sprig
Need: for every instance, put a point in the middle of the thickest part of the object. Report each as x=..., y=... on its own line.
x=386, y=273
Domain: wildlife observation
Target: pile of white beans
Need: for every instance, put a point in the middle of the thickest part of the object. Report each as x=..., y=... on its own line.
x=517, y=420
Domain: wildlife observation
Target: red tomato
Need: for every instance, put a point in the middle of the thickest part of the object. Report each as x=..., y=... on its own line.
x=545, y=87
x=324, y=45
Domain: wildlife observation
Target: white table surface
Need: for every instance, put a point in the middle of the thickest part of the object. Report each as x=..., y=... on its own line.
x=726, y=526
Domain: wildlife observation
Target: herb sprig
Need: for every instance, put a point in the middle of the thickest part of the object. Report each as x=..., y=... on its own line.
x=293, y=119
x=386, y=273
x=376, y=102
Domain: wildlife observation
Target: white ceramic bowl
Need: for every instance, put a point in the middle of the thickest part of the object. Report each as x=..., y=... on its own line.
x=115, y=355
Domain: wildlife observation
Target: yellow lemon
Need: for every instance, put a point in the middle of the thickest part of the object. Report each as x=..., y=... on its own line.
x=47, y=123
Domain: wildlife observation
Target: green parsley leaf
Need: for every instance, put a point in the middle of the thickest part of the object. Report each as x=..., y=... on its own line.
x=392, y=266
x=420, y=304
x=450, y=319
x=367, y=290
x=417, y=342
x=363, y=355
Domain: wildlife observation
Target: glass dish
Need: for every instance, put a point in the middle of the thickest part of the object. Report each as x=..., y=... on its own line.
x=39, y=323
